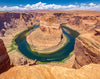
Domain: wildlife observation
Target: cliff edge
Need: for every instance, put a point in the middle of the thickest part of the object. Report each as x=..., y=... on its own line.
x=87, y=49
x=4, y=58
x=91, y=71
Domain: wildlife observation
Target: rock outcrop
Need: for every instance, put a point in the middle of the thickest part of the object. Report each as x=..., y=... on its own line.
x=48, y=34
x=87, y=49
x=91, y=71
x=4, y=58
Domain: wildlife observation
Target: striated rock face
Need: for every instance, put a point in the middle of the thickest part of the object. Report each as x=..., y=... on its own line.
x=82, y=21
x=91, y=71
x=87, y=49
x=48, y=34
x=4, y=58
x=14, y=20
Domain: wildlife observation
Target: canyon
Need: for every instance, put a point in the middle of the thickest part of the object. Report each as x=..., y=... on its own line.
x=78, y=20
x=86, y=49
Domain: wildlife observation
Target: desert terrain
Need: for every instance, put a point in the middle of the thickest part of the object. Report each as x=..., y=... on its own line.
x=83, y=63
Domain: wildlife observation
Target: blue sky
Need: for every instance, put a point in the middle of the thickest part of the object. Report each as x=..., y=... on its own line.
x=58, y=2
x=9, y=5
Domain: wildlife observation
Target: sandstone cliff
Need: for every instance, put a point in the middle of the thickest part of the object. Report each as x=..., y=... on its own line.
x=91, y=71
x=4, y=58
x=13, y=20
x=87, y=49
x=83, y=21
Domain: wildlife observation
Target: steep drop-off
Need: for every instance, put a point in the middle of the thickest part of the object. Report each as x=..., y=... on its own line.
x=4, y=58
x=13, y=20
x=82, y=21
x=87, y=49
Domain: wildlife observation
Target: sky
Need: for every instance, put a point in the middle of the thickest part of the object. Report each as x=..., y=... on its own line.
x=12, y=5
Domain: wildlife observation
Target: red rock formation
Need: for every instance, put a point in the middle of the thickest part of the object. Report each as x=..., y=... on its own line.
x=4, y=58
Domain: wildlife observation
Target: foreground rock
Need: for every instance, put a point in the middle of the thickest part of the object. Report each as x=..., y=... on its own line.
x=48, y=34
x=17, y=59
x=4, y=58
x=87, y=49
x=91, y=71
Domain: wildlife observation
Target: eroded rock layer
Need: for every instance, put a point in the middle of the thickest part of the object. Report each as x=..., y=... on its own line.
x=83, y=21
x=87, y=49
x=4, y=58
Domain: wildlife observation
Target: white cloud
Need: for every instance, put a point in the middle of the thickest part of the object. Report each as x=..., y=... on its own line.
x=20, y=5
x=71, y=6
x=92, y=4
x=44, y=6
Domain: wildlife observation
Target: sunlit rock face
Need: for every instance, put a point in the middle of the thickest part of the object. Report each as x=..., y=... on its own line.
x=91, y=71
x=87, y=49
x=47, y=35
x=4, y=58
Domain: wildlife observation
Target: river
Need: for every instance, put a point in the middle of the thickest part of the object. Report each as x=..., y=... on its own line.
x=58, y=55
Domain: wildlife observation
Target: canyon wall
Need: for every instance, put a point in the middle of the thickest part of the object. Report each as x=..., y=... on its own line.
x=83, y=21
x=87, y=49
x=4, y=58
x=13, y=20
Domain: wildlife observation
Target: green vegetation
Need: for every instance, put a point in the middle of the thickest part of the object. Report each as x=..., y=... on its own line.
x=12, y=46
x=21, y=36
